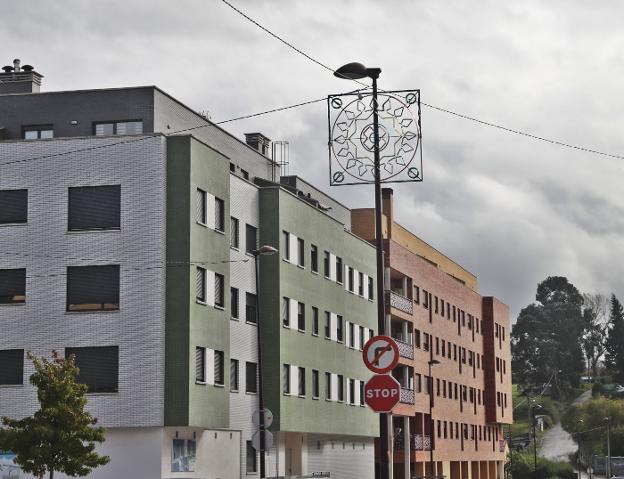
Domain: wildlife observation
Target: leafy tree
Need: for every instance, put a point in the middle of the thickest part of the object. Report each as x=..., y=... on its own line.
x=545, y=338
x=595, y=328
x=614, y=357
x=61, y=435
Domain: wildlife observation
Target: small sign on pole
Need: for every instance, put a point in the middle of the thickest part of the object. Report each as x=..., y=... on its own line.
x=268, y=440
x=381, y=354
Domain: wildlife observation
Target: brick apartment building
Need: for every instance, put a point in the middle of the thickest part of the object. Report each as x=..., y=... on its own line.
x=434, y=312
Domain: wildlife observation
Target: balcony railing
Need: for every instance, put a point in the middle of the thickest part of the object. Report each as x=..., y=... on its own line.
x=401, y=302
x=407, y=396
x=420, y=442
x=406, y=350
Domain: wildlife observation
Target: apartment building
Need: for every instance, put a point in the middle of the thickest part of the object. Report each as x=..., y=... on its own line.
x=435, y=313
x=127, y=226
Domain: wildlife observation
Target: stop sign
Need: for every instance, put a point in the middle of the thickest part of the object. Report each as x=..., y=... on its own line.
x=382, y=392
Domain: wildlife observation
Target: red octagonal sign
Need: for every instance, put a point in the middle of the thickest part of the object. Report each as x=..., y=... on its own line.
x=382, y=392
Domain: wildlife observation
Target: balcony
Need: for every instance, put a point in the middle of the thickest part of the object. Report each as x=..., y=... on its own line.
x=406, y=350
x=400, y=302
x=420, y=442
x=407, y=396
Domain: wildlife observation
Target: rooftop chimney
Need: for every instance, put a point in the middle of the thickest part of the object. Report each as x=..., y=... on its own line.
x=258, y=142
x=19, y=79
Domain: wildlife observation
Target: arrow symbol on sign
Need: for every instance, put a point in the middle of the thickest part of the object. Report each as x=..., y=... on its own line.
x=379, y=352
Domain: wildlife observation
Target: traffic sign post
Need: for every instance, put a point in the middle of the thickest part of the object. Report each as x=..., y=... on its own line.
x=382, y=392
x=381, y=354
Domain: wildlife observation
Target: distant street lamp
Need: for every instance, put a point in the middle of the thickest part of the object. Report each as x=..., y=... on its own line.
x=432, y=362
x=533, y=408
x=356, y=71
x=265, y=250
x=609, y=470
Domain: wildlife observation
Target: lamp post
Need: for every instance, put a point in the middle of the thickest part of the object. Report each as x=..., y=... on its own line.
x=265, y=250
x=432, y=362
x=355, y=71
x=533, y=408
x=609, y=472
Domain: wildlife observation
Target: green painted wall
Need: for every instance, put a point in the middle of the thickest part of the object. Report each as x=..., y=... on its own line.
x=192, y=165
x=280, y=210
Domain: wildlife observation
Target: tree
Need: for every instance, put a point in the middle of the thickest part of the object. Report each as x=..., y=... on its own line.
x=545, y=338
x=61, y=435
x=595, y=326
x=614, y=357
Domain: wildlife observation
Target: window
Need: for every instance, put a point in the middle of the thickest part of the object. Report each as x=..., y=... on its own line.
x=118, y=128
x=315, y=384
x=183, y=455
x=251, y=377
x=234, y=233
x=286, y=312
x=328, y=387
x=200, y=364
x=301, y=247
x=91, y=288
x=436, y=305
x=219, y=290
x=314, y=258
x=371, y=292
x=301, y=316
x=94, y=207
x=286, y=245
x=361, y=393
x=340, y=388
x=232, y=167
x=12, y=286
x=361, y=284
x=234, y=302
x=12, y=370
x=286, y=378
x=218, y=368
x=338, y=269
x=425, y=299
x=37, y=132
x=13, y=206
x=417, y=338
x=233, y=374
x=351, y=334
x=200, y=207
x=219, y=214
x=339, y=330
x=361, y=338
x=350, y=278
x=426, y=341
x=99, y=367
x=416, y=295
x=251, y=308
x=315, y=321
x=326, y=268
x=351, y=391
x=251, y=458
x=418, y=381
x=200, y=285
x=302, y=385
x=327, y=325
x=251, y=238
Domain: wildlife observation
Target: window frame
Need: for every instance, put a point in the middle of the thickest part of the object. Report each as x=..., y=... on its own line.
x=115, y=305
x=21, y=207
x=84, y=211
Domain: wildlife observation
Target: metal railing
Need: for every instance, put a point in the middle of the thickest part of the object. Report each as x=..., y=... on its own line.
x=407, y=396
x=406, y=350
x=401, y=302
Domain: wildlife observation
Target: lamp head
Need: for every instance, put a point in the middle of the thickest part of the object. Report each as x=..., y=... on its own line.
x=355, y=71
x=265, y=250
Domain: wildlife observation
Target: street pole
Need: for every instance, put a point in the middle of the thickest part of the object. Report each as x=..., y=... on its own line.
x=609, y=472
x=261, y=426
x=534, y=443
x=431, y=422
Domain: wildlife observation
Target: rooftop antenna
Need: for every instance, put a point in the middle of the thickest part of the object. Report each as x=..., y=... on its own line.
x=281, y=158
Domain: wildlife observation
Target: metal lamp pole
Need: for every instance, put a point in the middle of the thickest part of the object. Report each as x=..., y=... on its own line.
x=262, y=251
x=431, y=421
x=354, y=71
x=609, y=472
x=535, y=406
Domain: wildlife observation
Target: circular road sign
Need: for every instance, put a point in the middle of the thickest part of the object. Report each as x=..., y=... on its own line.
x=268, y=440
x=268, y=418
x=381, y=354
x=382, y=392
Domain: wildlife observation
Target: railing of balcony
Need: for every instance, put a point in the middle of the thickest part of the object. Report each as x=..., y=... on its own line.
x=407, y=396
x=400, y=302
x=406, y=350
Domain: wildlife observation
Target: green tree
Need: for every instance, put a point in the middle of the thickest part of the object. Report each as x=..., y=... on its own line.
x=614, y=357
x=595, y=328
x=545, y=338
x=61, y=435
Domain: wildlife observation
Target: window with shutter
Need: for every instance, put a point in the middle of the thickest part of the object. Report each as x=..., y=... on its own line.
x=92, y=288
x=219, y=214
x=234, y=302
x=371, y=289
x=218, y=368
x=301, y=317
x=94, y=208
x=315, y=384
x=99, y=367
x=234, y=233
x=219, y=290
x=251, y=458
x=12, y=370
x=200, y=285
x=302, y=384
x=251, y=377
x=12, y=285
x=251, y=239
x=200, y=207
x=13, y=206
x=286, y=378
x=233, y=374
x=251, y=308
x=200, y=364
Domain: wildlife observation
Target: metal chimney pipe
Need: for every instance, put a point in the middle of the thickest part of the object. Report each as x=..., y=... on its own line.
x=16, y=64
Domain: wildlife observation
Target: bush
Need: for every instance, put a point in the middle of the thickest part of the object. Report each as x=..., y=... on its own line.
x=522, y=468
x=596, y=389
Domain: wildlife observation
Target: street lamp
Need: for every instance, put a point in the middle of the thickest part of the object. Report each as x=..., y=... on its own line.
x=355, y=71
x=608, y=421
x=432, y=362
x=533, y=408
x=265, y=250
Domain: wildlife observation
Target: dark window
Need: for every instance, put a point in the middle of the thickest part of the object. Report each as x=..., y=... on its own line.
x=219, y=291
x=301, y=247
x=371, y=289
x=425, y=299
x=351, y=334
x=351, y=391
x=340, y=388
x=326, y=259
x=200, y=364
x=251, y=308
x=219, y=214
x=328, y=387
x=232, y=167
x=361, y=337
x=302, y=382
x=251, y=458
x=13, y=206
x=99, y=367
x=12, y=286
x=251, y=377
x=251, y=239
x=327, y=324
x=315, y=320
x=301, y=317
x=286, y=245
x=200, y=207
x=200, y=285
x=416, y=294
x=37, y=132
x=315, y=383
x=118, y=128
x=245, y=174
x=417, y=338
x=361, y=284
x=286, y=378
x=286, y=312
x=350, y=277
x=339, y=329
x=314, y=258
x=94, y=207
x=233, y=374
x=339, y=271
x=12, y=369
x=234, y=242
x=218, y=368
x=234, y=302
x=92, y=288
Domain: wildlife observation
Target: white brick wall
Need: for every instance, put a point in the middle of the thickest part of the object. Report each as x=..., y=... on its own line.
x=45, y=249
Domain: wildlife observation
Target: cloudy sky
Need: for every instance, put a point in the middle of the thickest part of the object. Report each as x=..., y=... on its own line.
x=510, y=209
